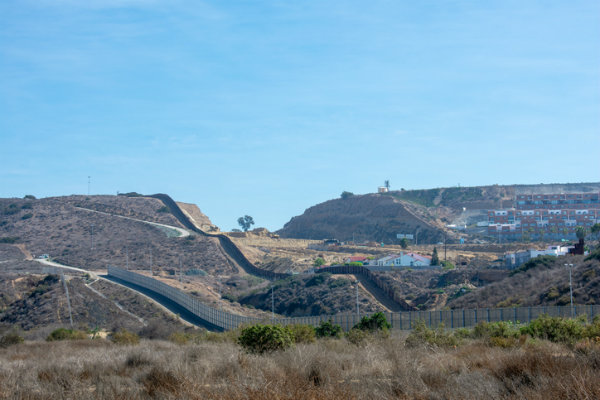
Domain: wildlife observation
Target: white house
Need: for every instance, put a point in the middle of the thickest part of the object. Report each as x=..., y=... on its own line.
x=404, y=260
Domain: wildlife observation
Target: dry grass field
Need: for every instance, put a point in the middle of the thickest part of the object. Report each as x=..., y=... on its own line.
x=327, y=369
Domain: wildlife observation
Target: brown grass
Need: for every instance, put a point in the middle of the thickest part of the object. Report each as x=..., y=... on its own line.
x=327, y=369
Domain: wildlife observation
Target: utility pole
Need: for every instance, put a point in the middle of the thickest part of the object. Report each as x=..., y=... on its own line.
x=272, y=305
x=571, y=288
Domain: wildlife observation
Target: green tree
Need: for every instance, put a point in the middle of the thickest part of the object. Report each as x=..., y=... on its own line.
x=403, y=243
x=327, y=329
x=376, y=322
x=318, y=262
x=245, y=222
x=435, y=260
x=580, y=232
x=346, y=194
x=595, y=230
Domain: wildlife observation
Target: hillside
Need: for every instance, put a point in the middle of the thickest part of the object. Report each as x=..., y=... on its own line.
x=370, y=217
x=426, y=212
x=541, y=281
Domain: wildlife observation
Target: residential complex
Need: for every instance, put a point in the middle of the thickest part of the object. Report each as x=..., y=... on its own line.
x=550, y=216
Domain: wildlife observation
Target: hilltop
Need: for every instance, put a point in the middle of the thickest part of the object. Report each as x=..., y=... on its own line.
x=425, y=213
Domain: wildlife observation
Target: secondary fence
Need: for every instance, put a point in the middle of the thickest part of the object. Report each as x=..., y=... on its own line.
x=222, y=320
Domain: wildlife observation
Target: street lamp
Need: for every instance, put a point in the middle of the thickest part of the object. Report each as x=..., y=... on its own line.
x=571, y=287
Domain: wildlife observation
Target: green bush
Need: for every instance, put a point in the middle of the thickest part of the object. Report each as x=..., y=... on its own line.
x=66, y=334
x=27, y=216
x=374, y=323
x=357, y=336
x=555, y=329
x=302, y=333
x=422, y=335
x=265, y=338
x=10, y=339
x=125, y=337
x=501, y=329
x=327, y=329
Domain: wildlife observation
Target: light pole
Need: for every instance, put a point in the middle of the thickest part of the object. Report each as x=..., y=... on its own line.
x=272, y=305
x=571, y=287
x=357, y=308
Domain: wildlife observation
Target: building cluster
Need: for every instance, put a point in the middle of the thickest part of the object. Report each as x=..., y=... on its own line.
x=404, y=259
x=545, y=216
x=513, y=260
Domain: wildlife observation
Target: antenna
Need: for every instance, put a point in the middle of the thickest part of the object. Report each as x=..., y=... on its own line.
x=387, y=184
x=62, y=277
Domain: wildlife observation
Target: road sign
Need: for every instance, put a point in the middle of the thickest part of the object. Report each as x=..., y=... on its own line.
x=405, y=236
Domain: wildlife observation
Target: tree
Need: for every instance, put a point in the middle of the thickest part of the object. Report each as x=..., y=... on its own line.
x=403, y=243
x=245, y=222
x=346, y=194
x=595, y=230
x=318, y=262
x=435, y=260
x=580, y=232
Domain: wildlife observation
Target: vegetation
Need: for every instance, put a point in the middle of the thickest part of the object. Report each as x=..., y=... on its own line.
x=435, y=260
x=125, y=337
x=29, y=197
x=403, y=243
x=328, y=330
x=539, y=261
x=261, y=339
x=302, y=333
x=346, y=195
x=66, y=334
x=318, y=262
x=374, y=323
x=245, y=222
x=9, y=239
x=581, y=232
x=10, y=339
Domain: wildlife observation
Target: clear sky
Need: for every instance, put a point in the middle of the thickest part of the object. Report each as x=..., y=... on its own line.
x=269, y=107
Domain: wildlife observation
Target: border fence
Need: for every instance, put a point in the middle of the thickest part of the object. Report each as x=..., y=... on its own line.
x=223, y=320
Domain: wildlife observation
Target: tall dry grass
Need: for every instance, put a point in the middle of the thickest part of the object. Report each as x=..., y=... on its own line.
x=327, y=369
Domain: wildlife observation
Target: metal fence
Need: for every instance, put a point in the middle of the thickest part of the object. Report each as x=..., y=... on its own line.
x=399, y=320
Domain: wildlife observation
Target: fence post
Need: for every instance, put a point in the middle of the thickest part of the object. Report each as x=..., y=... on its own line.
x=515, y=315
x=463, y=318
x=429, y=319
x=452, y=319
x=488, y=315
x=475, y=316
x=529, y=315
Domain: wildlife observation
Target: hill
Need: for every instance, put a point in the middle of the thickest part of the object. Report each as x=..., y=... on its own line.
x=426, y=212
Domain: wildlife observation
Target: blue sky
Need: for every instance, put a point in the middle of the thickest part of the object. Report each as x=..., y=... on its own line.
x=269, y=107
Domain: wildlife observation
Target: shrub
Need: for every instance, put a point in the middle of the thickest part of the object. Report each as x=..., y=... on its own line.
x=180, y=337
x=66, y=334
x=29, y=197
x=302, y=333
x=265, y=338
x=327, y=329
x=125, y=337
x=10, y=339
x=376, y=322
x=555, y=329
x=357, y=336
x=163, y=209
x=422, y=335
x=501, y=329
x=318, y=262
x=9, y=239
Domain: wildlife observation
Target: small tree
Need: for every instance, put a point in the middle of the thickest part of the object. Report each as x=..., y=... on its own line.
x=265, y=338
x=595, y=230
x=580, y=232
x=346, y=194
x=376, y=322
x=318, y=262
x=403, y=243
x=435, y=260
x=245, y=222
x=327, y=329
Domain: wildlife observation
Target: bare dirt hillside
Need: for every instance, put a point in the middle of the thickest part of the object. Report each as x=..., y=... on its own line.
x=67, y=230
x=198, y=218
x=371, y=217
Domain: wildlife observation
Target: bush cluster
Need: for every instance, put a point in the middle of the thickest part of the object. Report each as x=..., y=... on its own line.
x=125, y=337
x=261, y=339
x=66, y=334
x=328, y=330
x=10, y=339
